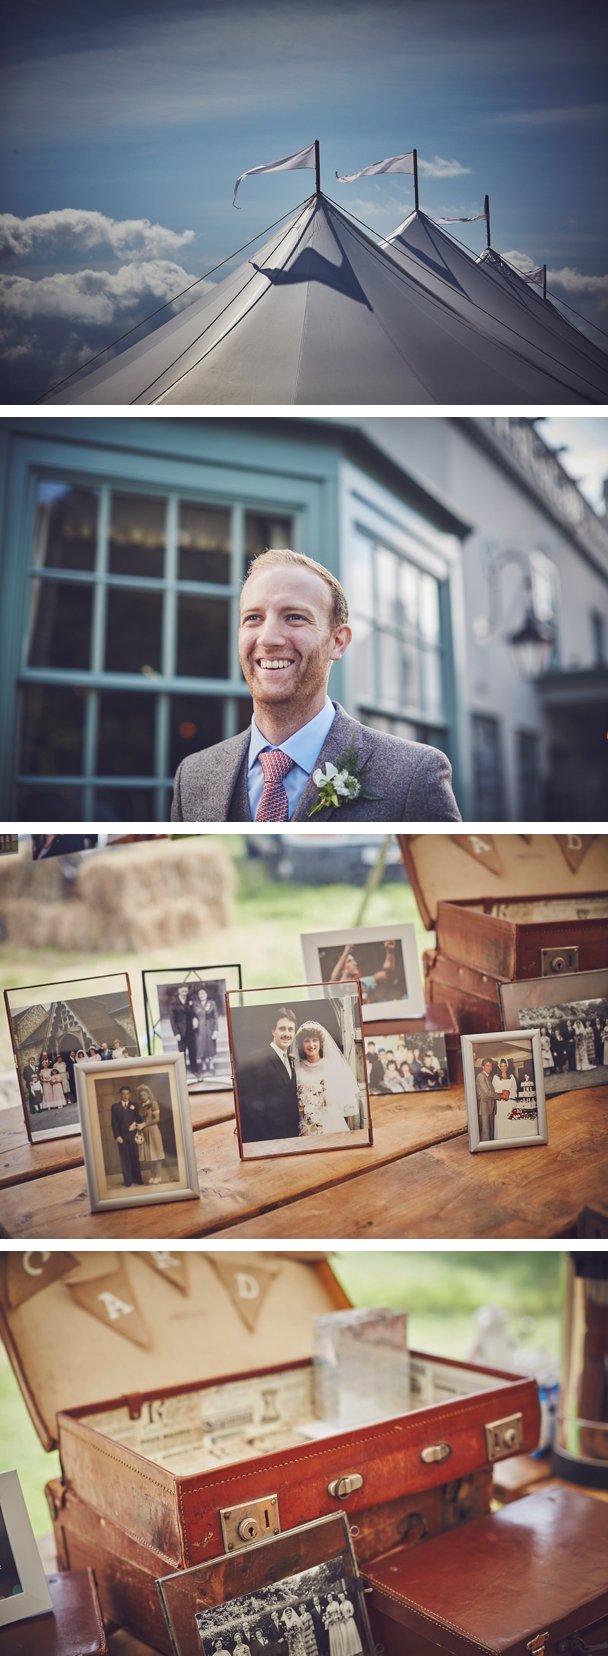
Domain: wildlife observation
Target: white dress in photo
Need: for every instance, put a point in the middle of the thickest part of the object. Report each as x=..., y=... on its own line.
x=327, y=1091
x=503, y=1127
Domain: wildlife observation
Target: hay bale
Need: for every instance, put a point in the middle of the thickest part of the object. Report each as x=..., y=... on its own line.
x=128, y=899
x=20, y=876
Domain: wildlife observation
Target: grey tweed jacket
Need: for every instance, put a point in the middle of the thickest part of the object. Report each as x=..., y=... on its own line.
x=407, y=781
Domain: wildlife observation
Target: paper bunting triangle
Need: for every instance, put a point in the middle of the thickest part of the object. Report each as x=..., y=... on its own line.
x=574, y=848
x=26, y=1274
x=483, y=849
x=246, y=1284
x=111, y=1300
x=171, y=1266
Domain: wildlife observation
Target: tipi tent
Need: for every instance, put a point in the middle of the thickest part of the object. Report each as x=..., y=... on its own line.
x=322, y=314
x=507, y=307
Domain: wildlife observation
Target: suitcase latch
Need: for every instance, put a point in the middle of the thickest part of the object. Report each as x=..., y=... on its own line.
x=554, y=961
x=505, y=1437
x=537, y=1644
x=341, y=1488
x=435, y=1452
x=255, y=1521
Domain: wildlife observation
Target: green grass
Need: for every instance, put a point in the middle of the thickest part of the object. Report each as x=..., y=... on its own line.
x=441, y=1292
x=263, y=934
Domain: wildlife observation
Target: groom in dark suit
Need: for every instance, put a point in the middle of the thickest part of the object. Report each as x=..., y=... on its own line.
x=293, y=625
x=267, y=1091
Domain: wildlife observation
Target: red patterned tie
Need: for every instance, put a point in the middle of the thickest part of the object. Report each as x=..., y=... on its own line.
x=274, y=804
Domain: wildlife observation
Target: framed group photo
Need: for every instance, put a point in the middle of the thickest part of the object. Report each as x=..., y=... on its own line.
x=137, y=1132
x=300, y=1078
x=298, y=1593
x=54, y=1027
x=571, y=1013
x=504, y=1090
x=24, y=1590
x=401, y=1062
x=383, y=960
x=185, y=1011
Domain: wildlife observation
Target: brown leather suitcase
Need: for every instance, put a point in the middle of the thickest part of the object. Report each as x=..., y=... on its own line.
x=506, y=907
x=531, y=1580
x=127, y=1417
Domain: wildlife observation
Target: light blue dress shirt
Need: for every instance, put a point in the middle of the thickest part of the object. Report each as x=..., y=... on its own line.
x=304, y=748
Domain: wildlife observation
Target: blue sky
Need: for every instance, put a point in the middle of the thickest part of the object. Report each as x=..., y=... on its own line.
x=139, y=112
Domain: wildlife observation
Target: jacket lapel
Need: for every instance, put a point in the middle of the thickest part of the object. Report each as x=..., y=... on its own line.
x=339, y=737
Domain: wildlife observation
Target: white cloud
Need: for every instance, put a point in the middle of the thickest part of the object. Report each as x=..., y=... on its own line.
x=52, y=325
x=75, y=229
x=566, y=278
x=438, y=168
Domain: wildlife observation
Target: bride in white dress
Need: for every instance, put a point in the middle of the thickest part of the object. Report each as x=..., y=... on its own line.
x=327, y=1089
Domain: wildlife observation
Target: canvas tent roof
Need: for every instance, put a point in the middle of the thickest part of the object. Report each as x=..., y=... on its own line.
x=324, y=315
x=530, y=295
x=507, y=305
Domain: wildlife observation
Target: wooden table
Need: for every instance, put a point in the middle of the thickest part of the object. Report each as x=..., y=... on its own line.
x=418, y=1179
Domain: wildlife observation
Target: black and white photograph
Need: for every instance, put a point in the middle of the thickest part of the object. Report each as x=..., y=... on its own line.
x=54, y=1028
x=186, y=1012
x=383, y=961
x=295, y=1595
x=504, y=1089
x=400, y=1062
x=137, y=1132
x=299, y=1069
x=23, y=1587
x=310, y=1614
x=571, y=1012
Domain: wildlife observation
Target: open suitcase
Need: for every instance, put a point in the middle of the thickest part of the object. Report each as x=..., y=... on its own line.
x=180, y=1439
x=506, y=907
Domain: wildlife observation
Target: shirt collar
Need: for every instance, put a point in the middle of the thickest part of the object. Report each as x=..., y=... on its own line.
x=304, y=746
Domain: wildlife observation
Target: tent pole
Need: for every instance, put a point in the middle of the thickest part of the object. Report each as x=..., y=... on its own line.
x=416, y=195
x=317, y=167
x=544, y=281
x=486, y=208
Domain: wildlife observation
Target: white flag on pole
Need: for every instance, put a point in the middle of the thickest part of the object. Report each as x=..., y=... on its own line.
x=468, y=218
x=302, y=158
x=536, y=276
x=394, y=164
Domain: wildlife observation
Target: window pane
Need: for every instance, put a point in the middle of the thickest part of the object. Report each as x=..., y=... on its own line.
x=52, y=723
x=389, y=654
x=204, y=543
x=60, y=624
x=123, y=804
x=133, y=631
x=202, y=640
x=432, y=697
x=125, y=744
x=409, y=687
x=196, y=722
x=52, y=804
x=408, y=595
x=386, y=572
x=66, y=526
x=429, y=608
x=137, y=535
x=264, y=531
x=363, y=648
x=487, y=769
x=360, y=578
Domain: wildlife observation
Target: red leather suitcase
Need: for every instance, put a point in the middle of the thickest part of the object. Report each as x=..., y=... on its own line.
x=182, y=1439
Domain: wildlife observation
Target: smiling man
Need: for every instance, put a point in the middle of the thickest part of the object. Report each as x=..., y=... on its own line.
x=303, y=754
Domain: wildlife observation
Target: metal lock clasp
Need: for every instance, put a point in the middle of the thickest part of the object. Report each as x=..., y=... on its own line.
x=504, y=1437
x=554, y=961
x=255, y=1521
x=537, y=1644
x=435, y=1452
x=341, y=1488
